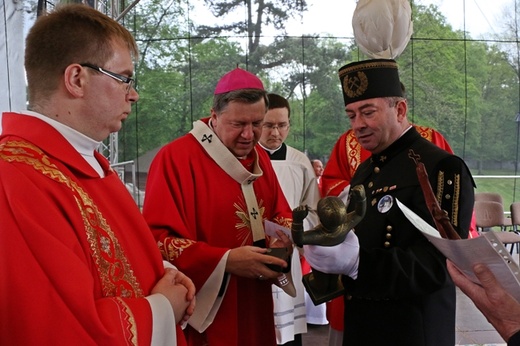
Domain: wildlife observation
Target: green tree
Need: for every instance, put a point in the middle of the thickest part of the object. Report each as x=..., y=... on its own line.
x=256, y=16
x=454, y=84
x=303, y=69
x=176, y=77
x=464, y=88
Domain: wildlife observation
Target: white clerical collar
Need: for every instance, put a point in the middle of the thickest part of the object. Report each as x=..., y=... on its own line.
x=271, y=151
x=83, y=144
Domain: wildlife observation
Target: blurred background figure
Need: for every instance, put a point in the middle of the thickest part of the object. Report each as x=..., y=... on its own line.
x=317, y=165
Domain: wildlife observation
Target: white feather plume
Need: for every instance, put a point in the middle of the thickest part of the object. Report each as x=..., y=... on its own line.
x=382, y=28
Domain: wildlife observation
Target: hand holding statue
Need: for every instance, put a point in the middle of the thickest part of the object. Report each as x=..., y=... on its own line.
x=330, y=248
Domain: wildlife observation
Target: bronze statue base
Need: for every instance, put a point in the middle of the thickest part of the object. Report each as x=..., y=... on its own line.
x=319, y=296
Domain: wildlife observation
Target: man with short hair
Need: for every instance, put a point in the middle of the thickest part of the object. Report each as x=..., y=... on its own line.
x=317, y=165
x=345, y=158
x=207, y=196
x=79, y=264
x=296, y=176
x=397, y=288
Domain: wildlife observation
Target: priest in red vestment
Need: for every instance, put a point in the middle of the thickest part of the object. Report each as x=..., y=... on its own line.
x=207, y=196
x=79, y=265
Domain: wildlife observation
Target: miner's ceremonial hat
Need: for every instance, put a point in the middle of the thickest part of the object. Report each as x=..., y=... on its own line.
x=368, y=79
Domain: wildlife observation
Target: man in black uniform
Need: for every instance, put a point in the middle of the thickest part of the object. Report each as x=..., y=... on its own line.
x=397, y=288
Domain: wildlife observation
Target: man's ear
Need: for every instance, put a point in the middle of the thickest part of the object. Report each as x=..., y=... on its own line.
x=213, y=117
x=75, y=79
x=402, y=109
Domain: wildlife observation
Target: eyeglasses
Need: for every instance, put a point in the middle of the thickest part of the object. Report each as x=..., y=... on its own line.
x=279, y=127
x=120, y=78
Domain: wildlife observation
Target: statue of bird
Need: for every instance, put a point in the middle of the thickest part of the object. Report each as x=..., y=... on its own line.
x=382, y=28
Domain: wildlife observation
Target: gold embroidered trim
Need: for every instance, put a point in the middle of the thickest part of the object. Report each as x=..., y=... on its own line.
x=173, y=247
x=456, y=198
x=117, y=276
x=244, y=228
x=353, y=149
x=368, y=65
x=283, y=221
x=440, y=187
x=128, y=324
x=425, y=132
x=333, y=187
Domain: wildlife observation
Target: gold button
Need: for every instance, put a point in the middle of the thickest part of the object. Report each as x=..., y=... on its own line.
x=389, y=228
x=388, y=236
x=447, y=196
x=450, y=182
x=377, y=170
x=370, y=184
x=387, y=244
x=374, y=201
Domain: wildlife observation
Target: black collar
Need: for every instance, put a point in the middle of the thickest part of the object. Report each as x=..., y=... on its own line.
x=280, y=154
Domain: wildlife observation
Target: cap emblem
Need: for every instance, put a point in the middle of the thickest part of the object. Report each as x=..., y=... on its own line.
x=356, y=85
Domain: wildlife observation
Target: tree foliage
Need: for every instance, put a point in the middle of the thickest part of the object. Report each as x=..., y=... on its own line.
x=258, y=15
x=466, y=89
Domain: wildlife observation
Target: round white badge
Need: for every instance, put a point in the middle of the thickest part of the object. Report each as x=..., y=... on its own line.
x=385, y=203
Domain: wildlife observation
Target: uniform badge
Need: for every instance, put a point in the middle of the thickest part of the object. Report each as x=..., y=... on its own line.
x=385, y=203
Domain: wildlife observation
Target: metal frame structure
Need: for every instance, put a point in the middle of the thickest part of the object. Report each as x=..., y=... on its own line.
x=116, y=9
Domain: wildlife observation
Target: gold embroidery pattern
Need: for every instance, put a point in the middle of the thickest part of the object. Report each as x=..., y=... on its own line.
x=369, y=64
x=353, y=152
x=117, y=276
x=425, y=132
x=283, y=221
x=440, y=187
x=456, y=198
x=128, y=325
x=245, y=233
x=355, y=85
x=333, y=187
x=173, y=247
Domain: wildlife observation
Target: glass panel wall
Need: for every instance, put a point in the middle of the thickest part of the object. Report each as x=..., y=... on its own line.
x=460, y=70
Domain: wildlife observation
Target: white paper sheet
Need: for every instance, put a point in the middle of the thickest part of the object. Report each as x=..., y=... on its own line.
x=271, y=228
x=465, y=253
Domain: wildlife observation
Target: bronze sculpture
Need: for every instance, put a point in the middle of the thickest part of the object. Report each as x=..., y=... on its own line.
x=333, y=229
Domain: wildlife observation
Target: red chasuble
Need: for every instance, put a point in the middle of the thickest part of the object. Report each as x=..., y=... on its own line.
x=77, y=256
x=198, y=212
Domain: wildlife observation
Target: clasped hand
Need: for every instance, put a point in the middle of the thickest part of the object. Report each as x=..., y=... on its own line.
x=180, y=291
